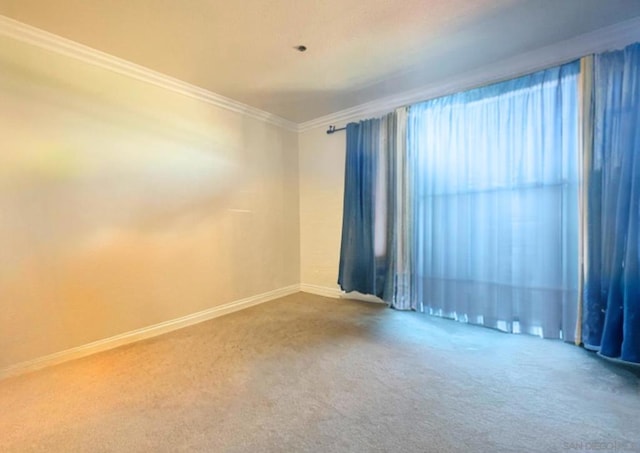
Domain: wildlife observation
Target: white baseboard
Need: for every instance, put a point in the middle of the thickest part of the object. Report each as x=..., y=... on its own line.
x=338, y=294
x=144, y=333
x=325, y=291
x=355, y=295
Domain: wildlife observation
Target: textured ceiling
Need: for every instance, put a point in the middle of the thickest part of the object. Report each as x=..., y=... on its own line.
x=358, y=50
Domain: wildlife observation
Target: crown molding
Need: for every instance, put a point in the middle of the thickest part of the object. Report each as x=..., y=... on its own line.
x=609, y=38
x=54, y=43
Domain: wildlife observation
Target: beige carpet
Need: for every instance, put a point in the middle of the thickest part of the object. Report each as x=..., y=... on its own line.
x=309, y=374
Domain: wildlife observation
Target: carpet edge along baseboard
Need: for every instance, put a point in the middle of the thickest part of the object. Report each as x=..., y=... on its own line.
x=143, y=333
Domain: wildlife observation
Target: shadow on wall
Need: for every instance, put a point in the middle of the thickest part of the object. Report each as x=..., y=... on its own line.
x=77, y=168
x=123, y=204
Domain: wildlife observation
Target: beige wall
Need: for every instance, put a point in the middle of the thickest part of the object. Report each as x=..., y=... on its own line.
x=321, y=196
x=123, y=204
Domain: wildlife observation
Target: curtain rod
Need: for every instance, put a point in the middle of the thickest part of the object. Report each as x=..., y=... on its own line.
x=333, y=129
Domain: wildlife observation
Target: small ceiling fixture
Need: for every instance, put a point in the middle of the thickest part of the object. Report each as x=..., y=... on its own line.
x=300, y=48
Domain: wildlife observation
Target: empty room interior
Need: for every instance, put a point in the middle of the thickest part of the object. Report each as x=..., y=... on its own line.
x=319, y=226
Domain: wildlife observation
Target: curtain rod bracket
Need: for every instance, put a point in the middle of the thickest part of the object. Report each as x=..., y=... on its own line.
x=333, y=129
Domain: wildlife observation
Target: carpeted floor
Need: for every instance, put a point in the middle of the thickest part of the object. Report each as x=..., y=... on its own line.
x=309, y=374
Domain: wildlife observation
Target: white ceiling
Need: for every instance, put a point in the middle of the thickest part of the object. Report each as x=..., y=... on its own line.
x=358, y=50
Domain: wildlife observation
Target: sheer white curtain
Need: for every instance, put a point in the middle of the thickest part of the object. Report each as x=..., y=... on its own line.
x=494, y=181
